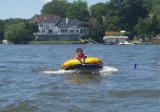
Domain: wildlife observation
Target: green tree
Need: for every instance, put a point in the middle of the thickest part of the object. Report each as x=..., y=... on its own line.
x=133, y=9
x=1, y=29
x=141, y=28
x=78, y=10
x=98, y=9
x=16, y=32
x=112, y=23
x=114, y=19
x=118, y=3
x=147, y=28
x=56, y=7
x=99, y=20
x=31, y=27
x=155, y=25
x=156, y=8
x=97, y=32
x=15, y=21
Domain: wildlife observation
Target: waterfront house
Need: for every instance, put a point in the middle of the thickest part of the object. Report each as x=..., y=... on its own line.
x=114, y=39
x=61, y=29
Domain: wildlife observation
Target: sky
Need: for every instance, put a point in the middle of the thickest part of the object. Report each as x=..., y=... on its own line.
x=28, y=8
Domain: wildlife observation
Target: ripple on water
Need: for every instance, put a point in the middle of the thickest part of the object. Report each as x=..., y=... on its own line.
x=17, y=106
x=137, y=93
x=32, y=81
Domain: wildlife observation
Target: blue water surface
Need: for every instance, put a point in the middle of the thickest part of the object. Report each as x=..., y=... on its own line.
x=31, y=79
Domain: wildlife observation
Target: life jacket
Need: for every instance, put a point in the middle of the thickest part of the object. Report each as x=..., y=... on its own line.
x=83, y=55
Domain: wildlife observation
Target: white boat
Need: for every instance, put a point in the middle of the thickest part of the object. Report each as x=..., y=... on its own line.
x=125, y=43
x=5, y=42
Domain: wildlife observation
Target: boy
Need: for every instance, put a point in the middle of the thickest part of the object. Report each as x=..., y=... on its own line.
x=80, y=53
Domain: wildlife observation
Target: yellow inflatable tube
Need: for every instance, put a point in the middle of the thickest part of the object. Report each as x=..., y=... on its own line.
x=82, y=62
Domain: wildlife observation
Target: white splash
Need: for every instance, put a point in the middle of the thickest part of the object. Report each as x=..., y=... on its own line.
x=56, y=71
x=108, y=69
x=104, y=71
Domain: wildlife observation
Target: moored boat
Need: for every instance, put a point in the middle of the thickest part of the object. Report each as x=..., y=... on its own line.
x=125, y=43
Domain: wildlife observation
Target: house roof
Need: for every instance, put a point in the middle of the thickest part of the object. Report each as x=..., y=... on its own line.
x=51, y=20
x=115, y=37
x=71, y=23
x=62, y=22
x=38, y=18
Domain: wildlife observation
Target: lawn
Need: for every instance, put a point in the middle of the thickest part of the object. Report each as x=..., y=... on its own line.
x=116, y=34
x=55, y=42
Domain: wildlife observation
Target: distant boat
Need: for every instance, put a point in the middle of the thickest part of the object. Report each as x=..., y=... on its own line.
x=5, y=42
x=125, y=43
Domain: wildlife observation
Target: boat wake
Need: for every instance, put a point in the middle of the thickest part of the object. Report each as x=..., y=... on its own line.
x=104, y=71
x=56, y=71
x=107, y=69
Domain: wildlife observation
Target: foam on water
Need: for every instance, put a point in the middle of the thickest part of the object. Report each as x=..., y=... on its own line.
x=108, y=69
x=103, y=71
x=56, y=71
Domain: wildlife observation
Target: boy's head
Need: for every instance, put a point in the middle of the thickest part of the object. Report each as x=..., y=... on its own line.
x=79, y=51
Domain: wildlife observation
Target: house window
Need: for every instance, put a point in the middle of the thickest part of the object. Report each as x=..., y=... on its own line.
x=81, y=31
x=71, y=31
x=41, y=25
x=51, y=25
x=64, y=30
x=47, y=26
x=77, y=31
x=50, y=31
x=43, y=31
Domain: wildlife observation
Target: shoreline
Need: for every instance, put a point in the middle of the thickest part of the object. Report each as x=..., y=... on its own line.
x=71, y=42
x=47, y=42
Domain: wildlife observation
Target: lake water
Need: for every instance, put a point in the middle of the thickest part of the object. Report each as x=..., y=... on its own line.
x=31, y=79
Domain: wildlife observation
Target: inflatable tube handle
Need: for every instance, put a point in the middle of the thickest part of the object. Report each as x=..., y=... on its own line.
x=84, y=59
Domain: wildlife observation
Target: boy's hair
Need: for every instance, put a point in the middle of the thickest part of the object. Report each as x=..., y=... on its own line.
x=79, y=49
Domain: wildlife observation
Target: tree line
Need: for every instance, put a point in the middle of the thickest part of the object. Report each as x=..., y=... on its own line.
x=139, y=17
x=17, y=30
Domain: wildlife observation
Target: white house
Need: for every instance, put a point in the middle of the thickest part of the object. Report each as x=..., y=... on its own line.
x=61, y=29
x=114, y=39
